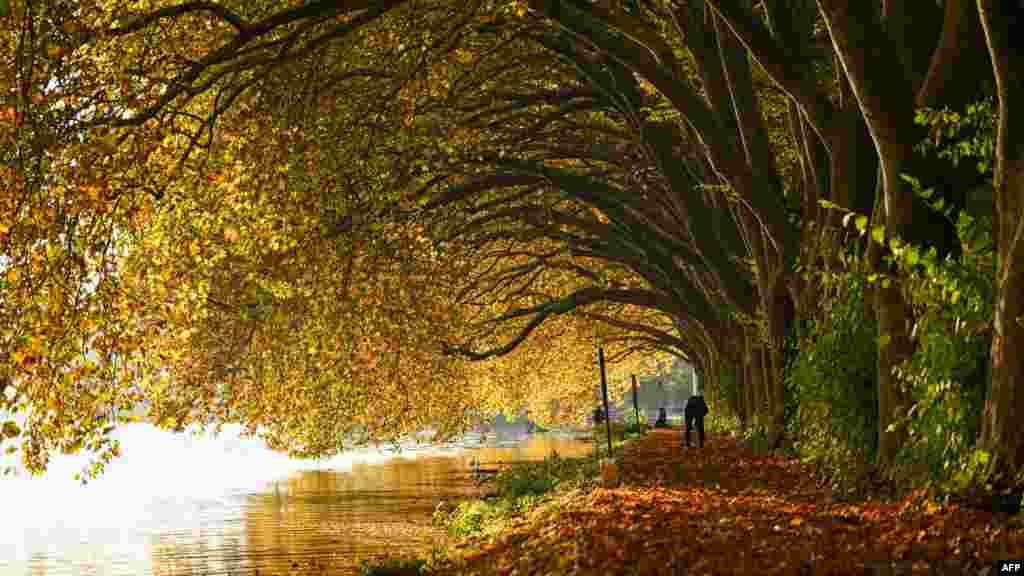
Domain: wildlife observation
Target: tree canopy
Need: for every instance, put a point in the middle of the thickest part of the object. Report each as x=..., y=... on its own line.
x=341, y=221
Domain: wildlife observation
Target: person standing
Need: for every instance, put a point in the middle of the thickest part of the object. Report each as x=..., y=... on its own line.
x=662, y=421
x=694, y=413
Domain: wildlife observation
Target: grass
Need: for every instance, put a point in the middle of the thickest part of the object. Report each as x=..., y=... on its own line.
x=514, y=491
x=521, y=490
x=527, y=486
x=393, y=567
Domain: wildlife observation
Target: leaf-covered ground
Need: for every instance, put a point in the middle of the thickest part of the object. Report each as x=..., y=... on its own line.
x=725, y=510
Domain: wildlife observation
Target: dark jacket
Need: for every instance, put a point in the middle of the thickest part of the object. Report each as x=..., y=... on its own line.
x=695, y=407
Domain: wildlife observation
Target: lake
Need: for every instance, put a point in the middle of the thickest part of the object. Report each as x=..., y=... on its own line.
x=179, y=505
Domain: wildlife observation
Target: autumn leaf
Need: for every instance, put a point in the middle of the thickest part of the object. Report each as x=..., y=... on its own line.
x=10, y=429
x=641, y=528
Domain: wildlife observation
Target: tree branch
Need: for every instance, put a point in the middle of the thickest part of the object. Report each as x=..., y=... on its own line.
x=795, y=78
x=580, y=298
x=168, y=12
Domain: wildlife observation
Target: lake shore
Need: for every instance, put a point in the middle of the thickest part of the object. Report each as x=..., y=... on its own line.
x=225, y=505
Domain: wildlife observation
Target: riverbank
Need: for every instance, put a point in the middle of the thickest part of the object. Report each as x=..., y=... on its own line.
x=723, y=509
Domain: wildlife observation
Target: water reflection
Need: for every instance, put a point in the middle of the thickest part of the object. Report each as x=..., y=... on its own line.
x=175, y=505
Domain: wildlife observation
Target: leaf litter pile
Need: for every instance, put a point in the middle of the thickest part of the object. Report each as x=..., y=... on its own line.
x=725, y=510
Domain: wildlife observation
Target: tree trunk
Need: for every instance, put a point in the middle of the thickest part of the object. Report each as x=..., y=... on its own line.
x=1002, y=433
x=894, y=344
x=756, y=375
x=893, y=348
x=885, y=97
x=724, y=371
x=742, y=412
x=750, y=397
x=744, y=372
x=773, y=388
x=780, y=312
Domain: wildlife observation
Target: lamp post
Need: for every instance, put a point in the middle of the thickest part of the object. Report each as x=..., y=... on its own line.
x=636, y=403
x=604, y=394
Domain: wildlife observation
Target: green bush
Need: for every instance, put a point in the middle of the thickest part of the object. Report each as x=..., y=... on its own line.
x=759, y=442
x=952, y=307
x=523, y=480
x=637, y=429
x=727, y=389
x=721, y=421
x=833, y=370
x=955, y=137
x=517, y=489
x=722, y=415
x=833, y=374
x=392, y=567
x=473, y=517
x=791, y=413
x=538, y=478
x=947, y=374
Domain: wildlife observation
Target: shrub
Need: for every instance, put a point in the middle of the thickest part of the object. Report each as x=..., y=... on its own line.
x=721, y=421
x=833, y=375
x=523, y=480
x=952, y=305
x=759, y=442
x=727, y=390
x=470, y=517
x=518, y=489
x=538, y=478
x=392, y=567
x=637, y=429
x=946, y=376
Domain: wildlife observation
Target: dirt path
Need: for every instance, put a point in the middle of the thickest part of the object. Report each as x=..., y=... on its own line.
x=725, y=510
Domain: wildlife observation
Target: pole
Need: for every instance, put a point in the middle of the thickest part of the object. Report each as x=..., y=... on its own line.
x=604, y=393
x=636, y=403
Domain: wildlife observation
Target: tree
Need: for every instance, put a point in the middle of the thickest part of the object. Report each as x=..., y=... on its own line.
x=222, y=283
x=863, y=38
x=999, y=435
x=210, y=292
x=549, y=176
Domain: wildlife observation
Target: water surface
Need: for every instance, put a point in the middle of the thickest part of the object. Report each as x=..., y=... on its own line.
x=185, y=506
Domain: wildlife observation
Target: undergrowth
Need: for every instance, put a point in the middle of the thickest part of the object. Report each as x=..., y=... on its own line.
x=517, y=490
